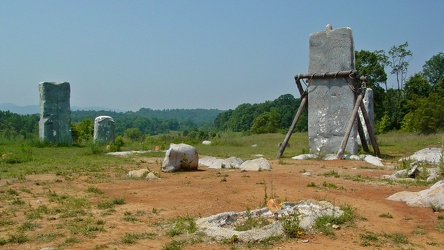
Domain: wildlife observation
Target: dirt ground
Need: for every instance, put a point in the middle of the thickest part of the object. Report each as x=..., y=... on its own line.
x=207, y=192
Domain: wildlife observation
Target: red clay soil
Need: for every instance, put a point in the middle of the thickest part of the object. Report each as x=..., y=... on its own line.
x=208, y=192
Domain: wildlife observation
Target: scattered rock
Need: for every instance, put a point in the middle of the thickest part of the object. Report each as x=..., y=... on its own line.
x=304, y=157
x=151, y=176
x=432, y=197
x=256, y=165
x=216, y=163
x=430, y=155
x=206, y=142
x=138, y=173
x=376, y=161
x=368, y=158
x=124, y=153
x=308, y=173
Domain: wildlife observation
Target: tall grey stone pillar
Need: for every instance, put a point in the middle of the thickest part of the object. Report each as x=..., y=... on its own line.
x=55, y=113
x=103, y=130
x=331, y=100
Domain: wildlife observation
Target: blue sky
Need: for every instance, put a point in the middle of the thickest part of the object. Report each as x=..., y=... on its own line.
x=190, y=54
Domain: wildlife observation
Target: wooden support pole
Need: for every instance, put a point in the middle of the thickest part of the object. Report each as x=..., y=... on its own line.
x=350, y=126
x=296, y=117
x=293, y=125
x=299, y=85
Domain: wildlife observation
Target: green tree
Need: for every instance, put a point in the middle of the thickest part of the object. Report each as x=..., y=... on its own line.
x=427, y=118
x=242, y=118
x=82, y=131
x=267, y=122
x=400, y=58
x=416, y=87
x=371, y=65
x=134, y=134
x=433, y=69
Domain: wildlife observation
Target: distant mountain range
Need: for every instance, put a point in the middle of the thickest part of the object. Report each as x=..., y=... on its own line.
x=35, y=109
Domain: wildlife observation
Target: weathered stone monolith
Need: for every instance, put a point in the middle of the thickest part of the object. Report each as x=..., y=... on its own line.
x=103, y=130
x=331, y=100
x=55, y=113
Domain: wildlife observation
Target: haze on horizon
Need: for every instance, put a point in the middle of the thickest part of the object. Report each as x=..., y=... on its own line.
x=127, y=55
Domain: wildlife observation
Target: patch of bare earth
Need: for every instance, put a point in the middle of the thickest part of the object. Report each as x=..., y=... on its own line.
x=208, y=192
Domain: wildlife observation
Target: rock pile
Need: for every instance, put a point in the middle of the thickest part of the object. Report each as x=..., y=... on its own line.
x=222, y=226
x=236, y=163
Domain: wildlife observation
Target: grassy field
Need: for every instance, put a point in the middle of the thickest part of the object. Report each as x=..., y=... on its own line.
x=21, y=158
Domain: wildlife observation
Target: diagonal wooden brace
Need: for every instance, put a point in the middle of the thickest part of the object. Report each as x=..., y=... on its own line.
x=304, y=103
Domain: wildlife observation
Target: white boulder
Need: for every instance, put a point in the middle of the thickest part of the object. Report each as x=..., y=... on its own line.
x=216, y=163
x=180, y=157
x=432, y=197
x=206, y=142
x=256, y=165
x=430, y=155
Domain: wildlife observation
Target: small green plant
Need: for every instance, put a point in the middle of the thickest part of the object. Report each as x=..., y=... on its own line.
x=94, y=190
x=386, y=215
x=440, y=227
x=368, y=238
x=250, y=222
x=378, y=240
x=291, y=226
x=86, y=226
x=17, y=201
x=48, y=237
x=12, y=192
x=332, y=173
x=311, y=184
x=440, y=217
x=111, y=203
x=181, y=225
x=432, y=243
x=324, y=224
x=28, y=226
x=69, y=241
x=329, y=185
x=18, y=238
x=128, y=216
x=130, y=238
x=419, y=232
x=397, y=238
x=174, y=245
